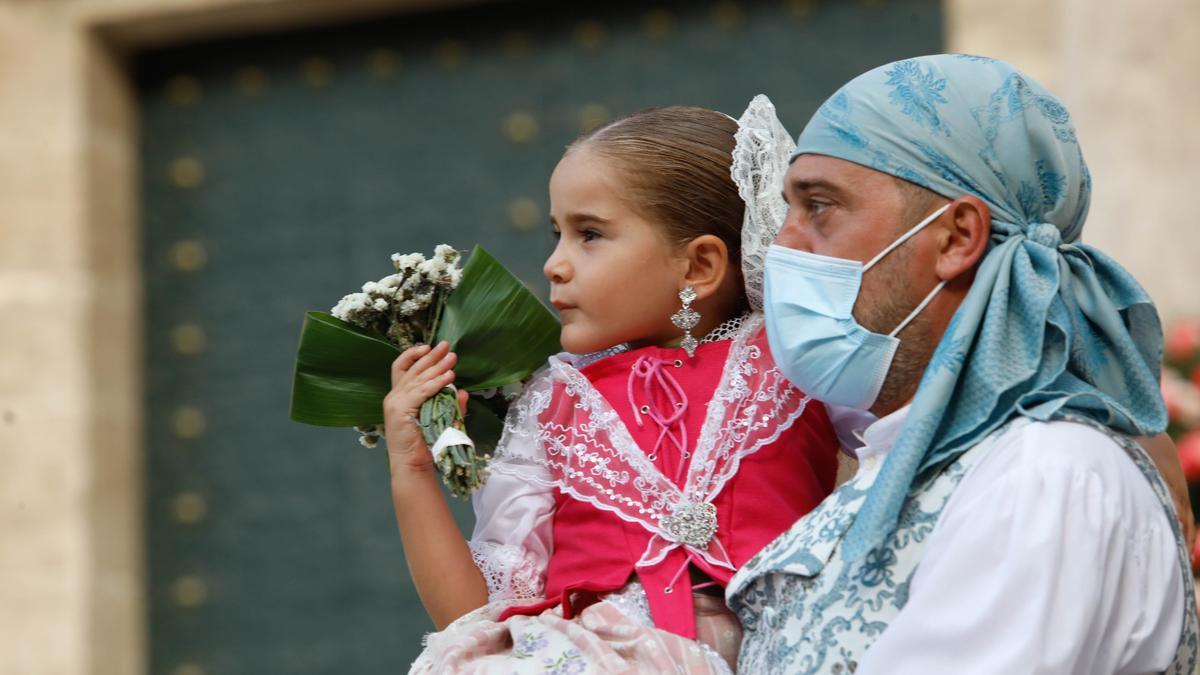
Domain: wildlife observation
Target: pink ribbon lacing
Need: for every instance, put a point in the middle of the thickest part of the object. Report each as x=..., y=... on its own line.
x=653, y=374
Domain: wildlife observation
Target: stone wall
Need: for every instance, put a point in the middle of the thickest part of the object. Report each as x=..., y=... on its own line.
x=69, y=494
x=71, y=597
x=1128, y=72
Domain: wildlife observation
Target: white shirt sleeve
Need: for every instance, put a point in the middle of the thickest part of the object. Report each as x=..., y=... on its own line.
x=513, y=536
x=1053, y=555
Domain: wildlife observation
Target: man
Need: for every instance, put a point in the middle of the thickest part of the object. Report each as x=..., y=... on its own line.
x=1001, y=520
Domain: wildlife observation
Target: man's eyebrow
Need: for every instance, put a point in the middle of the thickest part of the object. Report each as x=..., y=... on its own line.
x=803, y=185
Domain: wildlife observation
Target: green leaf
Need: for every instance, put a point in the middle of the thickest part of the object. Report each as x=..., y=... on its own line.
x=342, y=373
x=484, y=426
x=501, y=332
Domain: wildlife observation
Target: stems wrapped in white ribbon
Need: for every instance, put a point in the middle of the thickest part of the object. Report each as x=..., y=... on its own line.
x=442, y=424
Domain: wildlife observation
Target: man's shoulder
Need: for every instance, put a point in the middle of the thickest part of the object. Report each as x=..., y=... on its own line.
x=1063, y=454
x=1038, y=444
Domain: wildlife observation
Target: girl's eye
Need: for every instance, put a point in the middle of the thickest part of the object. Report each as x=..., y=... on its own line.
x=589, y=234
x=556, y=233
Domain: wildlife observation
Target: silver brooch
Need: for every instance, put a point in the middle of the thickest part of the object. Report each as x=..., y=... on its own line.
x=691, y=524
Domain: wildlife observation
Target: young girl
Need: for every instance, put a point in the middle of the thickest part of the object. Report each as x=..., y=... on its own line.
x=631, y=483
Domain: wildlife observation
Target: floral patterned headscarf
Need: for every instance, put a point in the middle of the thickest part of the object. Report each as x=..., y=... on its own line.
x=1051, y=327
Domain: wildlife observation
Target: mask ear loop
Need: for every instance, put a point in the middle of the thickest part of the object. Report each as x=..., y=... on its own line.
x=907, y=235
x=892, y=247
x=915, y=312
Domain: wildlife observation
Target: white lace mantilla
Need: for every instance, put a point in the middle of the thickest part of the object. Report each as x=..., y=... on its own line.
x=510, y=573
x=760, y=159
x=562, y=433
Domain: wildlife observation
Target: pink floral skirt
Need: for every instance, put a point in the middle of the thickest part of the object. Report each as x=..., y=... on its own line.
x=611, y=636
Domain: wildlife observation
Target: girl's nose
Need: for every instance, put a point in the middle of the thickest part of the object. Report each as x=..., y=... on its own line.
x=556, y=269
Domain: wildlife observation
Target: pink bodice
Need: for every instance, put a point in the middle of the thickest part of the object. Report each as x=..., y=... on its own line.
x=661, y=396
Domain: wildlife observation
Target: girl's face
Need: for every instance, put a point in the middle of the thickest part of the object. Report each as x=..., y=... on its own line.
x=613, y=275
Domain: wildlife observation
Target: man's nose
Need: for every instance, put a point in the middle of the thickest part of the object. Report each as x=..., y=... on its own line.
x=793, y=234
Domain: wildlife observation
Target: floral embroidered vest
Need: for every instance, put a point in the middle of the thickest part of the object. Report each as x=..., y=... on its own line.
x=806, y=610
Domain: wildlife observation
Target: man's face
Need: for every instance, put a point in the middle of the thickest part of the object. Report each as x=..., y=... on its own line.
x=844, y=210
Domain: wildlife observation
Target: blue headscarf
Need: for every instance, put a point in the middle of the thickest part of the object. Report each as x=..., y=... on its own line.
x=1051, y=327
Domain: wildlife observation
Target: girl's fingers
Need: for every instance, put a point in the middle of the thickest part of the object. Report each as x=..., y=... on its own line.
x=437, y=353
x=406, y=360
x=427, y=389
x=417, y=360
x=433, y=371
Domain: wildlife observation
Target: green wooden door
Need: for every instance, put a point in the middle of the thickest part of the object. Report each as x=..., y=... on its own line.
x=281, y=171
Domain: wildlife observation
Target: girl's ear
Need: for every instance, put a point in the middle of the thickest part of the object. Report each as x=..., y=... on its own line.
x=707, y=264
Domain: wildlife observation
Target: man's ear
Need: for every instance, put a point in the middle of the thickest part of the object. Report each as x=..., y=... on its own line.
x=967, y=230
x=707, y=259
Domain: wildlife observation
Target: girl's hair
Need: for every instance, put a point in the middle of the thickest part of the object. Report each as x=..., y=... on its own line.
x=674, y=166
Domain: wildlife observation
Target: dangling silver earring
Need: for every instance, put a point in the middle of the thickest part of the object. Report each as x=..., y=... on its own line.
x=686, y=319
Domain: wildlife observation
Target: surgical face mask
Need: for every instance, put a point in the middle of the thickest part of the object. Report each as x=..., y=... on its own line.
x=816, y=342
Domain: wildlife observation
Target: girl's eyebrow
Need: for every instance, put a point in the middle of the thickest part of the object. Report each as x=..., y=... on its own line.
x=581, y=217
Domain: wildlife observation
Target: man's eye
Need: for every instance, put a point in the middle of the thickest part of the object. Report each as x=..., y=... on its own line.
x=816, y=206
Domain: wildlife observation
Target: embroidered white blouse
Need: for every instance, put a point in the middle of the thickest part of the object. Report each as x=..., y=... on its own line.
x=1053, y=555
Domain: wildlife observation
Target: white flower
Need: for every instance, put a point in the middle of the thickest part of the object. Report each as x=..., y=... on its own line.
x=407, y=262
x=411, y=283
x=381, y=304
x=409, y=307
x=355, y=302
x=432, y=269
x=446, y=252
x=452, y=277
x=370, y=287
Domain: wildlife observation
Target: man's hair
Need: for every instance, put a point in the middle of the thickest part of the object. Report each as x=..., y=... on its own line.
x=918, y=202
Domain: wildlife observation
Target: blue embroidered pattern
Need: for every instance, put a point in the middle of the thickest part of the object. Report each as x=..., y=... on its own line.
x=918, y=92
x=806, y=610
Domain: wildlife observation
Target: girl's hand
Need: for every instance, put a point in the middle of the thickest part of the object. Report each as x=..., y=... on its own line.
x=417, y=374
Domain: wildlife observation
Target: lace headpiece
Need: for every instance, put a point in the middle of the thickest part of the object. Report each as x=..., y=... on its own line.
x=760, y=158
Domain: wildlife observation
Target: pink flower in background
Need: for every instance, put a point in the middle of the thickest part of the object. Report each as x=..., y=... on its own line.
x=1183, y=340
x=1182, y=398
x=1189, y=454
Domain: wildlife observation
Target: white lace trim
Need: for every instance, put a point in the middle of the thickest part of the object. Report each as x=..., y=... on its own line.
x=564, y=427
x=510, y=572
x=760, y=159
x=726, y=331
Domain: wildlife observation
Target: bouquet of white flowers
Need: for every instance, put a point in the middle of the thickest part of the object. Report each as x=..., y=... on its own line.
x=501, y=332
